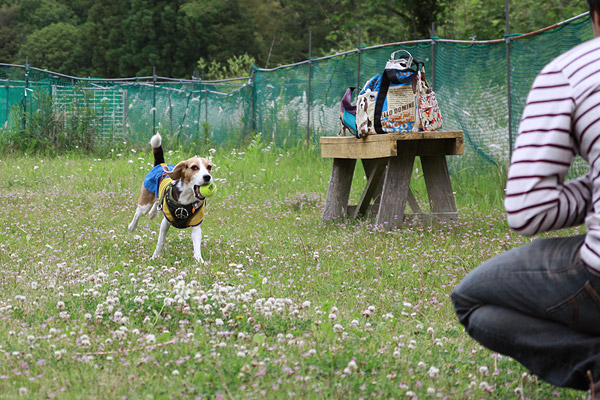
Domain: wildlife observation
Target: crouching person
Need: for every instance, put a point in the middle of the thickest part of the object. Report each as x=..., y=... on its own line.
x=540, y=303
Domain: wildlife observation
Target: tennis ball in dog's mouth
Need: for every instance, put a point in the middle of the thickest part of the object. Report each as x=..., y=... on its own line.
x=208, y=190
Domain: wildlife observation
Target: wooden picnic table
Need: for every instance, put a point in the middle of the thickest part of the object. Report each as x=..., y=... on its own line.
x=388, y=163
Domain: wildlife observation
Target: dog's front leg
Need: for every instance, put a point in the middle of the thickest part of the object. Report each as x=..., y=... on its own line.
x=153, y=211
x=197, y=240
x=164, y=227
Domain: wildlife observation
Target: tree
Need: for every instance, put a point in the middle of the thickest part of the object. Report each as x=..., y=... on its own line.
x=55, y=47
x=473, y=19
x=10, y=33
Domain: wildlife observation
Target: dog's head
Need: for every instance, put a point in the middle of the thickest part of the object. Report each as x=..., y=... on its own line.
x=192, y=173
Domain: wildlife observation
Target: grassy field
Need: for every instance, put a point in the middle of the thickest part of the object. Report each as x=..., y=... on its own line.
x=286, y=307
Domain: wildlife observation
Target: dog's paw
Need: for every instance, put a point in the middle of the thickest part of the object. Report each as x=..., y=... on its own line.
x=131, y=227
x=199, y=259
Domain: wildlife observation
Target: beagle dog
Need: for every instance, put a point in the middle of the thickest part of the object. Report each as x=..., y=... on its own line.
x=176, y=191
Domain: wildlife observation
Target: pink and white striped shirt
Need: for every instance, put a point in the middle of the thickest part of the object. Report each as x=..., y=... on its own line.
x=561, y=120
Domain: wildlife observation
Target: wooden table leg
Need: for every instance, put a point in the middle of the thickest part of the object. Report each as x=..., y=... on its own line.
x=396, y=185
x=336, y=202
x=412, y=202
x=439, y=187
x=374, y=170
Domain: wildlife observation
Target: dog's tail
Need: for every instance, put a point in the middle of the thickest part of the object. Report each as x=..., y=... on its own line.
x=157, y=150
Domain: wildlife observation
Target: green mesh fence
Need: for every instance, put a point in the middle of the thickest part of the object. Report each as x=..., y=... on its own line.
x=292, y=104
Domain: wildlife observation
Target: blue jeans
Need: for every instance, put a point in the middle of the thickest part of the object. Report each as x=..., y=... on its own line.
x=540, y=305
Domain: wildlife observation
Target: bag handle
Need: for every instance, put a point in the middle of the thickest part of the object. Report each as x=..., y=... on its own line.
x=383, y=89
x=406, y=63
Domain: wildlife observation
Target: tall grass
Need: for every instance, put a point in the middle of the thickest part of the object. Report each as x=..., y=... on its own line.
x=287, y=306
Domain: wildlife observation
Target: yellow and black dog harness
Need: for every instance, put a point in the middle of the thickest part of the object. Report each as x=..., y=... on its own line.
x=179, y=215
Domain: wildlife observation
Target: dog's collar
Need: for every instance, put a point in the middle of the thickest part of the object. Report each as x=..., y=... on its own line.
x=181, y=215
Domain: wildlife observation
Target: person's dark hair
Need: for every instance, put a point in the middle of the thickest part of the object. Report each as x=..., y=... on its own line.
x=594, y=5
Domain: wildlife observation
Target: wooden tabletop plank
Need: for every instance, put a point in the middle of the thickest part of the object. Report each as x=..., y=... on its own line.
x=381, y=146
x=393, y=136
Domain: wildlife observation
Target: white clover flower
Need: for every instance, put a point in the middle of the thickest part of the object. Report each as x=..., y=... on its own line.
x=85, y=341
x=353, y=323
x=338, y=328
x=430, y=391
x=352, y=365
x=175, y=372
x=22, y=391
x=332, y=317
x=433, y=372
x=60, y=305
x=168, y=301
x=150, y=339
x=219, y=322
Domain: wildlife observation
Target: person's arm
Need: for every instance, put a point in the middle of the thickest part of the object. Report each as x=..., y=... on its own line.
x=537, y=197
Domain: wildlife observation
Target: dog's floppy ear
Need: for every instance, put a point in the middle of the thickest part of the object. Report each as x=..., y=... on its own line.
x=176, y=173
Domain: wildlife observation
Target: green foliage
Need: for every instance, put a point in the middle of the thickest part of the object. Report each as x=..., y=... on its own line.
x=51, y=130
x=115, y=38
x=54, y=47
x=234, y=67
x=472, y=19
x=9, y=32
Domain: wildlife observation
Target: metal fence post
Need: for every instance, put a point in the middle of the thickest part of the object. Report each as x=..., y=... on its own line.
x=206, y=105
x=25, y=94
x=433, y=55
x=358, y=86
x=508, y=80
x=253, y=101
x=195, y=78
x=7, y=100
x=309, y=84
x=170, y=113
x=153, y=100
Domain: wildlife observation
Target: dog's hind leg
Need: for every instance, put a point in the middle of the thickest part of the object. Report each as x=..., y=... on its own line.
x=160, y=244
x=140, y=211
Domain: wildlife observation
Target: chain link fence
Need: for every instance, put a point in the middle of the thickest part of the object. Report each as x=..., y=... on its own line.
x=481, y=87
